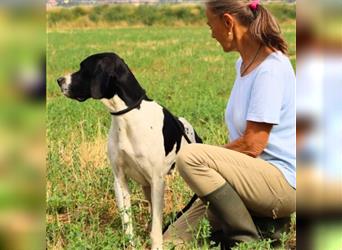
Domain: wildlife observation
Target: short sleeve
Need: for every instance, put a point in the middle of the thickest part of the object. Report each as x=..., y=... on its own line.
x=266, y=98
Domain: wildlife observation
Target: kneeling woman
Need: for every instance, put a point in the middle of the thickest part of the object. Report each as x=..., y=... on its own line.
x=254, y=174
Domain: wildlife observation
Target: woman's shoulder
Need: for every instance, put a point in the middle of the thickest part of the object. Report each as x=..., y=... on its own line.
x=277, y=62
x=276, y=58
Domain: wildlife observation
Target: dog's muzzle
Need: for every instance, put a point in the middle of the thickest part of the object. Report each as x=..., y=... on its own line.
x=62, y=83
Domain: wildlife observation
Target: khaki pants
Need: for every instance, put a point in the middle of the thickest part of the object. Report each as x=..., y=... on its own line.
x=205, y=168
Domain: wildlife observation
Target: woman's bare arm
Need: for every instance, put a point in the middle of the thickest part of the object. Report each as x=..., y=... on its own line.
x=254, y=141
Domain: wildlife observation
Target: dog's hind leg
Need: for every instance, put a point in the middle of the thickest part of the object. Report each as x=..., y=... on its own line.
x=157, y=194
x=147, y=194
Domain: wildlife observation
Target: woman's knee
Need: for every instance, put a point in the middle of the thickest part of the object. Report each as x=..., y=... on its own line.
x=187, y=158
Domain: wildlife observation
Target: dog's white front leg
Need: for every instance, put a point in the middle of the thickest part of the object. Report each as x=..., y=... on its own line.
x=123, y=200
x=121, y=189
x=157, y=194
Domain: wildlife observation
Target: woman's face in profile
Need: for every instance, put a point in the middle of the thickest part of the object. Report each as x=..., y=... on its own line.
x=219, y=30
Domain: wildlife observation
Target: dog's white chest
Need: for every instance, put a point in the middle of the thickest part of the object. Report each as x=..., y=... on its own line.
x=136, y=143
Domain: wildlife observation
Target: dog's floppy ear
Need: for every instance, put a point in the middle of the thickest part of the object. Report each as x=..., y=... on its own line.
x=121, y=70
x=101, y=86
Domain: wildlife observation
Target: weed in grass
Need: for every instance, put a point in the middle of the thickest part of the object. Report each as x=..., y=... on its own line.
x=202, y=235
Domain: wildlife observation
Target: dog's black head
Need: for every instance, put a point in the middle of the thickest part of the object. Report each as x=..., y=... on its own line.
x=100, y=76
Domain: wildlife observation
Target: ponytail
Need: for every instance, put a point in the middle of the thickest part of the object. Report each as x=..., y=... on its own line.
x=266, y=30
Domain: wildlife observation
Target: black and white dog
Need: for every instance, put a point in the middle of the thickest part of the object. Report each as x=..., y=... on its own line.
x=144, y=137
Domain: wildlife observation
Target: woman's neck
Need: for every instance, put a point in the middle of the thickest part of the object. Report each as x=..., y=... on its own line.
x=247, y=47
x=251, y=51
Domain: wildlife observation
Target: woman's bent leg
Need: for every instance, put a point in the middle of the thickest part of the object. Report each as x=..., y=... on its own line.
x=262, y=187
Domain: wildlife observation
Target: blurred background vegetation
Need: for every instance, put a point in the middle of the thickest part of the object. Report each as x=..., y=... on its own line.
x=128, y=15
x=22, y=126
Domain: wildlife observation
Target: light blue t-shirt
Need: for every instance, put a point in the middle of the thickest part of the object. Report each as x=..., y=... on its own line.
x=267, y=94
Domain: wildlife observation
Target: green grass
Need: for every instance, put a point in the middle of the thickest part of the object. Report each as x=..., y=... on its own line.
x=180, y=67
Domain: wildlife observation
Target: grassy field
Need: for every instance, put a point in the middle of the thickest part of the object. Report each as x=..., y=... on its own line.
x=182, y=68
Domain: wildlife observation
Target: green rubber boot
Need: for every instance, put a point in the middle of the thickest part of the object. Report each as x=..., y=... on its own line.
x=237, y=222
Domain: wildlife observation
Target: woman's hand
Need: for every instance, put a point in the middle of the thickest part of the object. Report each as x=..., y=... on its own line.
x=254, y=140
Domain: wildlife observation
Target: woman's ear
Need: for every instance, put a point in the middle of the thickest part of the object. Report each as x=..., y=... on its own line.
x=228, y=21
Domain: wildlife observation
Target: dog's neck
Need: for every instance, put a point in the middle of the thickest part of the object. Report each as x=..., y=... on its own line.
x=128, y=92
x=114, y=104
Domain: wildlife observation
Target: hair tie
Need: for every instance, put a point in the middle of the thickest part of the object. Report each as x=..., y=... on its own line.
x=254, y=4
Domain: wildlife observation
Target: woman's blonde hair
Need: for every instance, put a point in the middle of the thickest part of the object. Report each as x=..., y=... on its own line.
x=262, y=25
